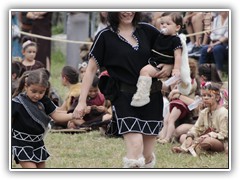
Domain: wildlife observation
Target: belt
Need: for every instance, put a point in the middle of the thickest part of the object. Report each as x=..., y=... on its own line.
x=156, y=87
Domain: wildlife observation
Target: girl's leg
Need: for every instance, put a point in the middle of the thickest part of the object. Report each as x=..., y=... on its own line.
x=174, y=115
x=134, y=147
x=41, y=165
x=141, y=97
x=148, y=70
x=28, y=164
x=182, y=129
x=163, y=132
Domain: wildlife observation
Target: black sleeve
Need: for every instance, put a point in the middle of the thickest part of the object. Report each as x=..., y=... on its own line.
x=98, y=48
x=151, y=32
x=176, y=43
x=48, y=104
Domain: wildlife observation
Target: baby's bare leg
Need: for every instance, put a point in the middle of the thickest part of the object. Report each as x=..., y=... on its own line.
x=148, y=70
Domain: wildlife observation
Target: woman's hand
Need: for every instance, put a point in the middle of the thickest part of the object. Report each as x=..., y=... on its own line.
x=80, y=111
x=165, y=70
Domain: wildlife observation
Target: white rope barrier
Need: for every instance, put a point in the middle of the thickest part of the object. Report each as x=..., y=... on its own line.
x=85, y=42
x=54, y=39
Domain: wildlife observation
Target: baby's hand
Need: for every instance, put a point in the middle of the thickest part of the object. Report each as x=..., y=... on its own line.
x=176, y=72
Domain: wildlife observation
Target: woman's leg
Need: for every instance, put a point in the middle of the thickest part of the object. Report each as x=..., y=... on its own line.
x=148, y=150
x=198, y=27
x=134, y=147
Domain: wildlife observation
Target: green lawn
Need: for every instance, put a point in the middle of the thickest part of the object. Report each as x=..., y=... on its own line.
x=93, y=150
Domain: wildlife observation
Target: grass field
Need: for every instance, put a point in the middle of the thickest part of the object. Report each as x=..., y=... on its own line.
x=93, y=150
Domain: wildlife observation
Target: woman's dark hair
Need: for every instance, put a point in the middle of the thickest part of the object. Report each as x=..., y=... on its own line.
x=38, y=76
x=113, y=19
x=71, y=74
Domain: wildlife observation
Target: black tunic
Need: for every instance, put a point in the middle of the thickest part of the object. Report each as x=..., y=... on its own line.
x=165, y=44
x=123, y=63
x=27, y=134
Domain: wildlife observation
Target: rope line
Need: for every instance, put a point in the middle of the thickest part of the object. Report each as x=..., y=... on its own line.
x=85, y=42
x=54, y=39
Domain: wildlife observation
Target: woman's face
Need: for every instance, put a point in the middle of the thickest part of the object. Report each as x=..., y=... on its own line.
x=126, y=17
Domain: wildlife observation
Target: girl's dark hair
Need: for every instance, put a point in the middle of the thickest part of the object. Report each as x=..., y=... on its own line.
x=28, y=39
x=17, y=68
x=176, y=17
x=210, y=72
x=95, y=81
x=71, y=74
x=113, y=19
x=38, y=76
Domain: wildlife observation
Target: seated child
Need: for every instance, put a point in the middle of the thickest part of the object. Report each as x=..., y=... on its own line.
x=168, y=49
x=97, y=111
x=17, y=71
x=70, y=79
x=210, y=132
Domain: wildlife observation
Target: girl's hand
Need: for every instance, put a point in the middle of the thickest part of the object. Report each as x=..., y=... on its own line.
x=101, y=108
x=165, y=70
x=80, y=111
x=173, y=94
x=188, y=142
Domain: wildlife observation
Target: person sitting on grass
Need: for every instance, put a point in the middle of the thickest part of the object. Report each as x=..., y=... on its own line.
x=70, y=79
x=210, y=132
x=97, y=109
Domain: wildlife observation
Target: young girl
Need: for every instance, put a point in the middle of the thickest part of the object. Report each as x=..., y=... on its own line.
x=29, y=51
x=178, y=109
x=30, y=118
x=210, y=132
x=168, y=50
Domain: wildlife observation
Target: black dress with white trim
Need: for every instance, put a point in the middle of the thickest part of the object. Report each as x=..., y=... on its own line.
x=123, y=63
x=29, y=122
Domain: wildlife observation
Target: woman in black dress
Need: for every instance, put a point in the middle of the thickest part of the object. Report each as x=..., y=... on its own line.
x=123, y=49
